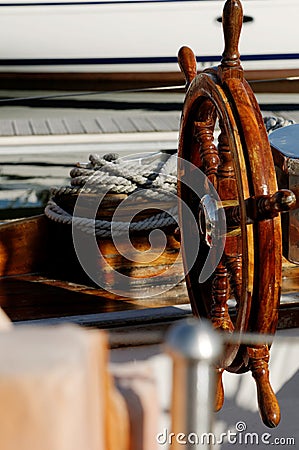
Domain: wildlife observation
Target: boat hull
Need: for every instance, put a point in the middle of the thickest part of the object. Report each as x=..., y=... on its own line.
x=105, y=42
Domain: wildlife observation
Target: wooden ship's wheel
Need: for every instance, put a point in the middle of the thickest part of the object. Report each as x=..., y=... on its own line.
x=240, y=168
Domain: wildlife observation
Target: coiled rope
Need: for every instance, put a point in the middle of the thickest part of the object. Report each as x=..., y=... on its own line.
x=155, y=179
x=273, y=123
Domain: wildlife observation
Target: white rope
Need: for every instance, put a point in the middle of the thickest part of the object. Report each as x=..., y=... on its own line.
x=103, y=227
x=155, y=179
x=273, y=123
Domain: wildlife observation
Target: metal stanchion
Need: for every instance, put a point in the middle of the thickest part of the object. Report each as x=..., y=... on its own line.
x=194, y=346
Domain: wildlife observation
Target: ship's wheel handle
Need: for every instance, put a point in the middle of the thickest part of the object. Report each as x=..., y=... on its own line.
x=187, y=63
x=232, y=19
x=220, y=106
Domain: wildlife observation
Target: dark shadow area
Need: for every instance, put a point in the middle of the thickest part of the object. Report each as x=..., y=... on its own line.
x=36, y=297
x=279, y=106
x=92, y=104
x=136, y=415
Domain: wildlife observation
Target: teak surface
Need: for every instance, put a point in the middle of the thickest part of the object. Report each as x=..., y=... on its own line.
x=41, y=277
x=30, y=289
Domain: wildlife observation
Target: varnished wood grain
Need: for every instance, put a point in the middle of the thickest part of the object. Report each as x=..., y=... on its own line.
x=187, y=63
x=23, y=246
x=31, y=297
x=232, y=20
x=42, y=295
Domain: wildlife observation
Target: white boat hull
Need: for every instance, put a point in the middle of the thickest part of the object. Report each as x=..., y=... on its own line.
x=140, y=36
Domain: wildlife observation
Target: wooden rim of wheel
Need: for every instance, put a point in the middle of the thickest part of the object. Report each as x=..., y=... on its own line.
x=242, y=172
x=253, y=175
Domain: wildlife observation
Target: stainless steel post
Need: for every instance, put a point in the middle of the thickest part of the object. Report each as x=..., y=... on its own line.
x=194, y=346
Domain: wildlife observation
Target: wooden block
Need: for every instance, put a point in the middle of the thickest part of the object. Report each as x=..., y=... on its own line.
x=23, y=245
x=53, y=389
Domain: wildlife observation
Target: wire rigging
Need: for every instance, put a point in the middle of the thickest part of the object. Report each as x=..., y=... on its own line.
x=122, y=91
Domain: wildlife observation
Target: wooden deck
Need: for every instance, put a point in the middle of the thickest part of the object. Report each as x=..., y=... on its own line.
x=39, y=300
x=96, y=125
x=41, y=282
x=81, y=135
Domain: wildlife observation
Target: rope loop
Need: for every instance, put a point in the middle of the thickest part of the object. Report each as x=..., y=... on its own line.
x=154, y=176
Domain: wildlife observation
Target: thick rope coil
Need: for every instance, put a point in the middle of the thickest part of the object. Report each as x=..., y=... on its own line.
x=154, y=180
x=272, y=123
x=103, y=228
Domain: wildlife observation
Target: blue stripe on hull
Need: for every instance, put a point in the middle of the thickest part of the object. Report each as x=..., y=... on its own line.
x=88, y=3
x=139, y=60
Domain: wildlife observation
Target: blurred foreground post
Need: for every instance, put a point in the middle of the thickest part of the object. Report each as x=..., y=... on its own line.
x=194, y=346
